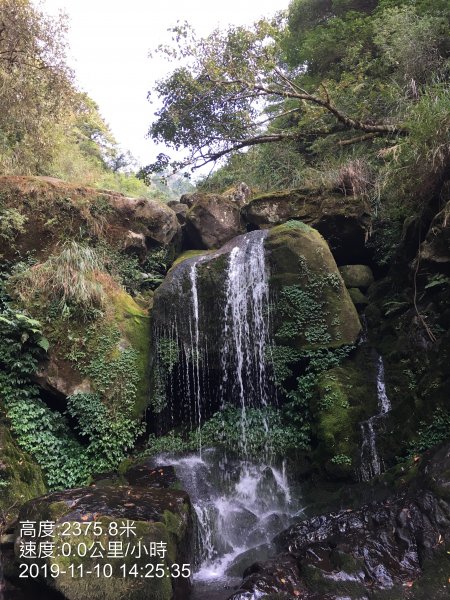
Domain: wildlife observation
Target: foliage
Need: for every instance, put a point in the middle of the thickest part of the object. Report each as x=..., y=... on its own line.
x=104, y=419
x=431, y=432
x=40, y=431
x=109, y=432
x=12, y=222
x=35, y=85
x=341, y=459
x=301, y=308
x=70, y=280
x=261, y=168
x=267, y=434
x=328, y=68
x=134, y=274
x=299, y=391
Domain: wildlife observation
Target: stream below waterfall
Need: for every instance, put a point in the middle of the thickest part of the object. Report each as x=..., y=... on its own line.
x=371, y=463
x=239, y=506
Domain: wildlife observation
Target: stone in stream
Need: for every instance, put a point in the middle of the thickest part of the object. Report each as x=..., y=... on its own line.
x=100, y=514
x=395, y=546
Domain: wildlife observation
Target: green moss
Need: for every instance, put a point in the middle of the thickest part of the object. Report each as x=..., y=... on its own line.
x=134, y=323
x=20, y=477
x=312, y=308
x=189, y=254
x=346, y=396
x=358, y=297
x=356, y=276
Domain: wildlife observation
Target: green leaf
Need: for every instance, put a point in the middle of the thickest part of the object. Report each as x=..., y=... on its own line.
x=43, y=343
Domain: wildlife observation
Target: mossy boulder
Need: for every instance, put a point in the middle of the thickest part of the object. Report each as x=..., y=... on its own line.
x=346, y=395
x=20, y=477
x=96, y=519
x=85, y=356
x=212, y=221
x=343, y=220
x=357, y=276
x=39, y=213
x=312, y=307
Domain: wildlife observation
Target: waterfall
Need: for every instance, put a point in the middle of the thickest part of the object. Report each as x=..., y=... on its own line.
x=371, y=463
x=245, y=327
x=240, y=506
x=195, y=347
x=236, y=325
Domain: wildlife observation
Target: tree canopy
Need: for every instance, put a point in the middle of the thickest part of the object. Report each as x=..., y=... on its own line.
x=326, y=72
x=36, y=85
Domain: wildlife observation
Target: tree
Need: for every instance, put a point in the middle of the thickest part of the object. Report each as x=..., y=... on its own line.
x=36, y=88
x=326, y=71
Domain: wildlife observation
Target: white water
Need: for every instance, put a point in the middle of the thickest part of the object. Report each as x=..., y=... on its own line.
x=239, y=506
x=371, y=463
x=245, y=327
x=236, y=329
x=195, y=347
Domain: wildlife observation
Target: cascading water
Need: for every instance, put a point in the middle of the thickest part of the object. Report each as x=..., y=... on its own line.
x=235, y=325
x=245, y=328
x=371, y=463
x=240, y=506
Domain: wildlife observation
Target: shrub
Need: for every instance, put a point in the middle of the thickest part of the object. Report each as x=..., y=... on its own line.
x=71, y=280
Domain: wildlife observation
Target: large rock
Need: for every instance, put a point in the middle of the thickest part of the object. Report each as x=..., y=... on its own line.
x=180, y=210
x=344, y=221
x=394, y=548
x=312, y=306
x=212, y=221
x=82, y=365
x=311, y=310
x=48, y=211
x=86, y=518
x=157, y=221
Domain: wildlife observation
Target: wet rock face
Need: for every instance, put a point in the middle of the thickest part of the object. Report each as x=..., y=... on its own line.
x=281, y=576
x=385, y=542
x=158, y=514
x=387, y=546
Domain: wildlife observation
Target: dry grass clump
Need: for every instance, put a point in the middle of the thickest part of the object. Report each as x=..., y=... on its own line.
x=71, y=280
x=352, y=178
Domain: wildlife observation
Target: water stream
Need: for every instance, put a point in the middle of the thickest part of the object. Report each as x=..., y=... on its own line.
x=240, y=506
x=232, y=332
x=371, y=463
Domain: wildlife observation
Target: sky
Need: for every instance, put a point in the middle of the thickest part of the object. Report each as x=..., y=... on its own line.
x=109, y=47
